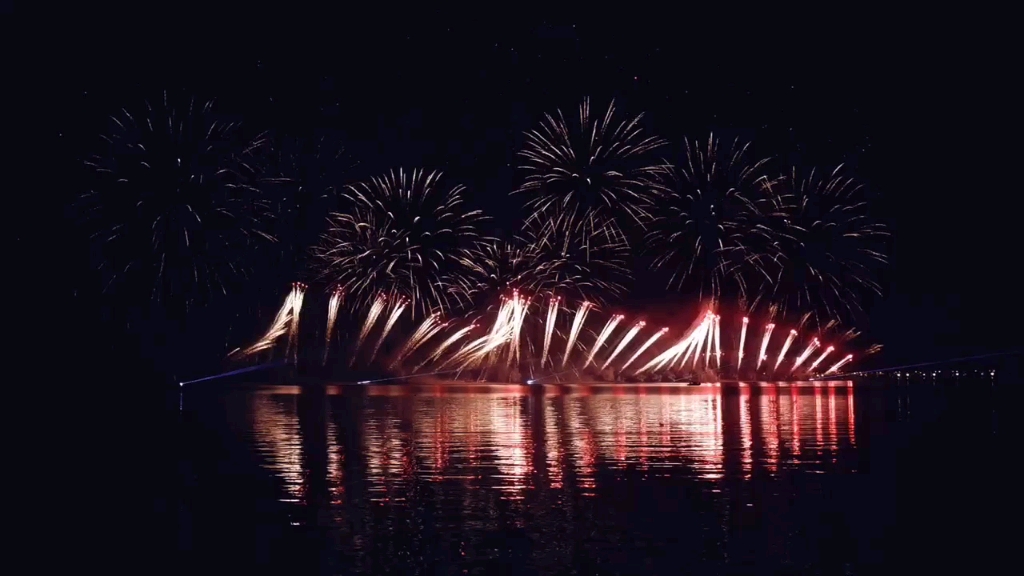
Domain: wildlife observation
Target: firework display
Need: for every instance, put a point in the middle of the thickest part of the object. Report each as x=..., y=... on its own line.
x=177, y=207
x=710, y=232
x=595, y=167
x=828, y=246
x=405, y=236
x=413, y=282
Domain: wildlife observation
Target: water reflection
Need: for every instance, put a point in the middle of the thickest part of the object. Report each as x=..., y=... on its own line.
x=515, y=440
x=398, y=474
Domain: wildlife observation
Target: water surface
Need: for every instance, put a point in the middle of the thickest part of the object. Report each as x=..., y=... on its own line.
x=648, y=479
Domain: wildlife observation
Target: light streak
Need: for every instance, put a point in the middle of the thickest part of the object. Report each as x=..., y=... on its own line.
x=445, y=345
x=609, y=327
x=622, y=344
x=577, y=324
x=395, y=313
x=807, y=352
x=645, y=346
x=764, y=344
x=332, y=316
x=839, y=364
x=549, y=328
x=743, y=340
x=371, y=318
x=820, y=358
x=417, y=337
x=785, y=348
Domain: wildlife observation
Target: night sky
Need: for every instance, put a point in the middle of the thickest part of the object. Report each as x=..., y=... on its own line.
x=908, y=107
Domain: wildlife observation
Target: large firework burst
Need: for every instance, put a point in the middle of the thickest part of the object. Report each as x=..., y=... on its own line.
x=403, y=235
x=595, y=168
x=714, y=225
x=829, y=247
x=592, y=266
x=176, y=207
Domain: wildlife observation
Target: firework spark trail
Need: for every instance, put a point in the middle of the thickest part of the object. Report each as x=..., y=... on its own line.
x=519, y=309
x=694, y=344
x=807, y=352
x=696, y=335
x=399, y=307
x=417, y=337
x=332, y=317
x=743, y=340
x=764, y=344
x=433, y=331
x=622, y=343
x=645, y=346
x=675, y=350
x=577, y=324
x=820, y=358
x=445, y=345
x=466, y=350
x=785, y=348
x=299, y=291
x=685, y=352
x=477, y=350
x=718, y=341
x=429, y=335
x=705, y=329
x=502, y=322
x=839, y=364
x=549, y=328
x=371, y=319
x=664, y=356
x=667, y=355
x=279, y=327
x=606, y=332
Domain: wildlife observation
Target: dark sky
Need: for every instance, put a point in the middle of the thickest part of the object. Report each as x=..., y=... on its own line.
x=910, y=107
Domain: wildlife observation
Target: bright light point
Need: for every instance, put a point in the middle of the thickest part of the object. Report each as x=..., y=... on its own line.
x=531, y=381
x=181, y=384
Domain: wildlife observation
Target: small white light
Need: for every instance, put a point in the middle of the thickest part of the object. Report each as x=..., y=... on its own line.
x=180, y=384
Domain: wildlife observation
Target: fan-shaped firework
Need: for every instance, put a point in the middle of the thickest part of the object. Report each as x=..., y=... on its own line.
x=402, y=234
x=713, y=226
x=829, y=246
x=592, y=267
x=596, y=165
x=176, y=207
